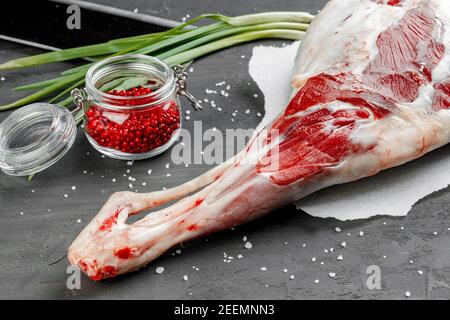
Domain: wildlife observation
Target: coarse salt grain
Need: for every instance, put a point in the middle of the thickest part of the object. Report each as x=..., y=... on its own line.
x=185, y=278
x=159, y=270
x=248, y=245
x=263, y=269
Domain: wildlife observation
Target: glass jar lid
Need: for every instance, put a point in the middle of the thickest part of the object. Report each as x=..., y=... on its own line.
x=34, y=137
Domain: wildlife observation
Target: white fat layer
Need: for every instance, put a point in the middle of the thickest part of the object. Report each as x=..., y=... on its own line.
x=442, y=10
x=352, y=24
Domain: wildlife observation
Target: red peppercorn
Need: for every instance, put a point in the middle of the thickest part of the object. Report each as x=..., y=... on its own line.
x=142, y=131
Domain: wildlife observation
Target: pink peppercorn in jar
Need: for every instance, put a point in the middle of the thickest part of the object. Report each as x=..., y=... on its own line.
x=131, y=106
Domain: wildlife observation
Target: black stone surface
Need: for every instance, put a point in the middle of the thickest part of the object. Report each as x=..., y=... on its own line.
x=32, y=243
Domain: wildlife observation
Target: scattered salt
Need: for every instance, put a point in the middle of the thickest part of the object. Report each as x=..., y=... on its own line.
x=248, y=245
x=159, y=270
x=263, y=269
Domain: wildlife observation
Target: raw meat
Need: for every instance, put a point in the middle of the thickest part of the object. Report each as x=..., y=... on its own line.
x=372, y=91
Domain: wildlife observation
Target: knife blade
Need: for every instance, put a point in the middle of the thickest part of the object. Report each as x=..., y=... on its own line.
x=43, y=23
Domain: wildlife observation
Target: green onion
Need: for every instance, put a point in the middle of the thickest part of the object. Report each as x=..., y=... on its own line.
x=178, y=45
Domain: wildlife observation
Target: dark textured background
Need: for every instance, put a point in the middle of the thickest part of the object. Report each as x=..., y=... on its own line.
x=32, y=241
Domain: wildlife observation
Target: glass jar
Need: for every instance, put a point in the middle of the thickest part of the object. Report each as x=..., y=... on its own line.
x=131, y=107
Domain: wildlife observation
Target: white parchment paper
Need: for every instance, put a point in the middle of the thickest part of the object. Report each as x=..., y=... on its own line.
x=392, y=192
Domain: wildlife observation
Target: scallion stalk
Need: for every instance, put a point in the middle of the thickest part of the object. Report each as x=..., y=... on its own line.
x=178, y=45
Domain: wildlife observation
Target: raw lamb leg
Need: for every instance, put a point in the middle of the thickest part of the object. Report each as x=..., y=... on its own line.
x=372, y=92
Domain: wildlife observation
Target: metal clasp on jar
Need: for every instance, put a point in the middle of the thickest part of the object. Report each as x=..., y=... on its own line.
x=181, y=77
x=80, y=98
